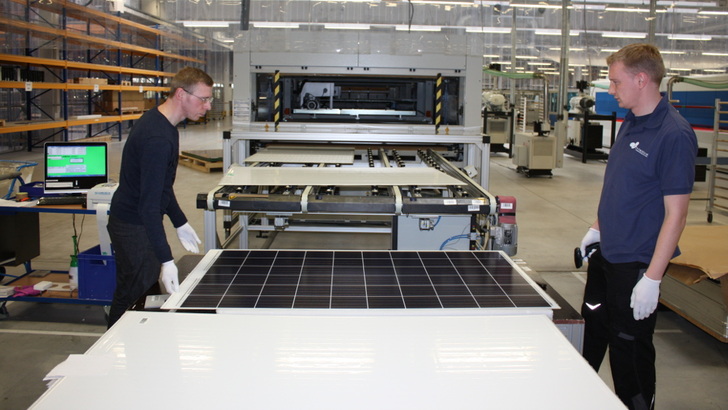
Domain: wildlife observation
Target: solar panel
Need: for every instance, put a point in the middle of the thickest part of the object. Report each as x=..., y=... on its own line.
x=336, y=279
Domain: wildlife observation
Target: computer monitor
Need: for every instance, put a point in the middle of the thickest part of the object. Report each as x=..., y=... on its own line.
x=75, y=167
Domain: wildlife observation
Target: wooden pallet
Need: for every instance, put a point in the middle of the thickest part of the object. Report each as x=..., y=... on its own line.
x=200, y=161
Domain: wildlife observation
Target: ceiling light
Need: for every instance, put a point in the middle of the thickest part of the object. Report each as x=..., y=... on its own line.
x=490, y=56
x=402, y=27
x=692, y=37
x=626, y=10
x=527, y=57
x=553, y=32
x=681, y=69
x=710, y=70
x=672, y=52
x=275, y=24
x=589, y=6
x=537, y=63
x=623, y=34
x=705, y=53
x=536, y=6
x=494, y=30
x=673, y=3
x=714, y=12
x=347, y=26
x=203, y=23
x=678, y=10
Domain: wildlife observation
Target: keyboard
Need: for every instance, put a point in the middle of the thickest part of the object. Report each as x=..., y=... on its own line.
x=62, y=200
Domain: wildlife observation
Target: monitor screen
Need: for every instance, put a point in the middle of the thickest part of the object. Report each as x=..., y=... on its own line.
x=75, y=167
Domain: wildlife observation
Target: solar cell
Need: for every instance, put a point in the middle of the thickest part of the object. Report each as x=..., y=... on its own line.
x=314, y=279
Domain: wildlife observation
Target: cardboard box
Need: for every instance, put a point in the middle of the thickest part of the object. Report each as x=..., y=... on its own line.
x=90, y=80
x=131, y=101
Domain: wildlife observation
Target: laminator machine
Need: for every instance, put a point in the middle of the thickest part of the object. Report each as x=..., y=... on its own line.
x=413, y=192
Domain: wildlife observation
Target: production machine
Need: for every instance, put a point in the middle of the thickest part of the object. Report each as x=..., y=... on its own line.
x=351, y=98
x=582, y=131
x=537, y=150
x=498, y=119
x=414, y=194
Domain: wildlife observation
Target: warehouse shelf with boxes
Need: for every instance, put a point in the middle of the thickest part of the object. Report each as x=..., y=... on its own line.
x=72, y=72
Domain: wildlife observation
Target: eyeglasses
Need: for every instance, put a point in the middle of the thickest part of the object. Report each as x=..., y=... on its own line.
x=203, y=99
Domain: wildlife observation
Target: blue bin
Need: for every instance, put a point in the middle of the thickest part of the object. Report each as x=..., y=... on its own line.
x=96, y=275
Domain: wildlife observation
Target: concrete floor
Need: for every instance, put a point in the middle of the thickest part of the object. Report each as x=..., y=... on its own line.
x=553, y=214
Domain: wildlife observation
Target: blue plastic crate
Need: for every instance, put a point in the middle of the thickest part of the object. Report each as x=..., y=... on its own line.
x=96, y=275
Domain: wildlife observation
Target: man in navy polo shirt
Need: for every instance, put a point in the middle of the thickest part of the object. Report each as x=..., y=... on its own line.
x=641, y=215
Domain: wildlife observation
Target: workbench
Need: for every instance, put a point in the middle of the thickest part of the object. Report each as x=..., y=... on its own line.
x=20, y=243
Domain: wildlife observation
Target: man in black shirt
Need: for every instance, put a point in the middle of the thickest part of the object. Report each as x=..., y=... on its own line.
x=145, y=193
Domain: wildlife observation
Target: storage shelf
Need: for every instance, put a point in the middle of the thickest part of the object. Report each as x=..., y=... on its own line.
x=88, y=87
x=86, y=40
x=76, y=65
x=23, y=126
x=135, y=57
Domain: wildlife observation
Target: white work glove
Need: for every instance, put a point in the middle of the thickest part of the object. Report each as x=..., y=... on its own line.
x=644, y=297
x=592, y=236
x=169, y=277
x=188, y=237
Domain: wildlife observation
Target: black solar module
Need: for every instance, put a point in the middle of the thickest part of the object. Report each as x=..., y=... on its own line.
x=362, y=280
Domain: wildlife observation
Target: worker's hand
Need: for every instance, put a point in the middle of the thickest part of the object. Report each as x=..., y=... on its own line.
x=592, y=236
x=644, y=297
x=188, y=237
x=169, y=276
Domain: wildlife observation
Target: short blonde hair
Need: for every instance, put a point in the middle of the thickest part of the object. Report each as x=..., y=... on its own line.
x=189, y=77
x=641, y=58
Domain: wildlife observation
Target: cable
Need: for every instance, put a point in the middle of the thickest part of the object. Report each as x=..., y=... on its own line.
x=453, y=238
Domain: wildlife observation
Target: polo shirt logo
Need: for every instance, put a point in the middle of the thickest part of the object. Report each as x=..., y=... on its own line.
x=635, y=146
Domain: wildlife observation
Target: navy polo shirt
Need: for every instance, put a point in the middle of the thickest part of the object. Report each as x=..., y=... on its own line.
x=652, y=157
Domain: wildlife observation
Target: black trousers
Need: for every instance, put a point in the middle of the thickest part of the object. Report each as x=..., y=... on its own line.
x=609, y=323
x=137, y=267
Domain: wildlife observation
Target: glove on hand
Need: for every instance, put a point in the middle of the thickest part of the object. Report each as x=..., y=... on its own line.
x=169, y=277
x=644, y=297
x=188, y=237
x=592, y=236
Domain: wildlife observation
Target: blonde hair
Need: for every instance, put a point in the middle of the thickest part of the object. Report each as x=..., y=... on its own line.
x=189, y=77
x=639, y=58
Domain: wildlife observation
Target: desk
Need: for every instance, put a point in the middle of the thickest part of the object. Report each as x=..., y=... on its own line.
x=20, y=243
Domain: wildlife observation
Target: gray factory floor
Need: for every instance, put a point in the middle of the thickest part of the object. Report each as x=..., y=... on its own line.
x=553, y=214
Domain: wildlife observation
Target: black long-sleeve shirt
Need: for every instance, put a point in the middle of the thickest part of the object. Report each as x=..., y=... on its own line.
x=148, y=170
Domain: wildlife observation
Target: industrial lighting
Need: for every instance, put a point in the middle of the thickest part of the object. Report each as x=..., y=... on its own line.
x=492, y=30
x=490, y=56
x=347, y=26
x=681, y=69
x=537, y=63
x=203, y=23
x=275, y=24
x=673, y=3
x=626, y=10
x=402, y=27
x=678, y=10
x=554, y=32
x=445, y=3
x=713, y=12
x=672, y=52
x=535, y=6
x=705, y=53
x=691, y=37
x=711, y=70
x=570, y=49
x=623, y=34
x=600, y=7
x=527, y=57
